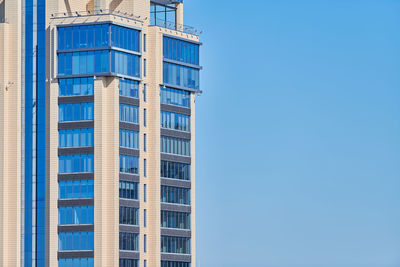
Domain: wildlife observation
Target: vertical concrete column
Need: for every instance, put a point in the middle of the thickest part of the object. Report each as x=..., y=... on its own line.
x=51, y=175
x=192, y=177
x=154, y=78
x=106, y=165
x=179, y=16
x=10, y=135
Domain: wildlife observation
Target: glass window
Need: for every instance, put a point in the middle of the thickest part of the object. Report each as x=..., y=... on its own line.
x=75, y=37
x=125, y=38
x=83, y=62
x=126, y=64
x=128, y=215
x=128, y=88
x=75, y=241
x=144, y=42
x=176, y=195
x=105, y=35
x=83, y=36
x=61, y=64
x=76, y=112
x=173, y=145
x=174, y=244
x=128, y=241
x=128, y=113
x=76, y=163
x=76, y=86
x=75, y=215
x=68, y=38
x=175, y=121
x=128, y=164
x=181, y=75
x=144, y=68
x=144, y=117
x=130, y=263
x=180, y=50
x=128, y=138
x=175, y=170
x=174, y=97
x=144, y=168
x=75, y=63
x=174, y=219
x=76, y=189
x=175, y=264
x=128, y=190
x=97, y=35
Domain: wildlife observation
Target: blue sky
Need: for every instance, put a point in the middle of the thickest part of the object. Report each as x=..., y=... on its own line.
x=298, y=133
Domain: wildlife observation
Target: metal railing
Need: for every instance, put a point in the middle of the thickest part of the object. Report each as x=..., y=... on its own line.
x=98, y=12
x=174, y=26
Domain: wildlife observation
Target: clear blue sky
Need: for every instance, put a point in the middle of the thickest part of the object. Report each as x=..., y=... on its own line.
x=298, y=133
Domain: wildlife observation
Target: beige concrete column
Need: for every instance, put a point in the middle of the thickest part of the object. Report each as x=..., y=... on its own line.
x=10, y=135
x=52, y=174
x=179, y=15
x=154, y=78
x=106, y=165
x=193, y=177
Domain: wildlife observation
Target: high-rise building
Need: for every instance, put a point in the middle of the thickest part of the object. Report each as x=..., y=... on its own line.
x=97, y=133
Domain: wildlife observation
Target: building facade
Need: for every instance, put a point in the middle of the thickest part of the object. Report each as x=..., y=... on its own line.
x=97, y=133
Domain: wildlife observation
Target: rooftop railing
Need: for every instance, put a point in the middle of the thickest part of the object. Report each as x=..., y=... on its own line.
x=99, y=12
x=174, y=26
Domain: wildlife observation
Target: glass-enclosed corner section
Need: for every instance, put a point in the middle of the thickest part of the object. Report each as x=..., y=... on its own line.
x=100, y=49
x=181, y=64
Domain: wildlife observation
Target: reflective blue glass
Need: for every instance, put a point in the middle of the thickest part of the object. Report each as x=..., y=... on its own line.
x=128, y=138
x=76, y=112
x=76, y=86
x=128, y=263
x=128, y=164
x=83, y=62
x=128, y=88
x=128, y=190
x=175, y=170
x=173, y=145
x=128, y=113
x=175, y=121
x=174, y=97
x=174, y=219
x=76, y=189
x=61, y=64
x=125, y=38
x=75, y=215
x=97, y=36
x=124, y=63
x=180, y=50
x=75, y=241
x=76, y=137
x=176, y=195
x=175, y=264
x=76, y=262
x=84, y=36
x=181, y=76
x=76, y=163
x=128, y=215
x=128, y=241
x=174, y=244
